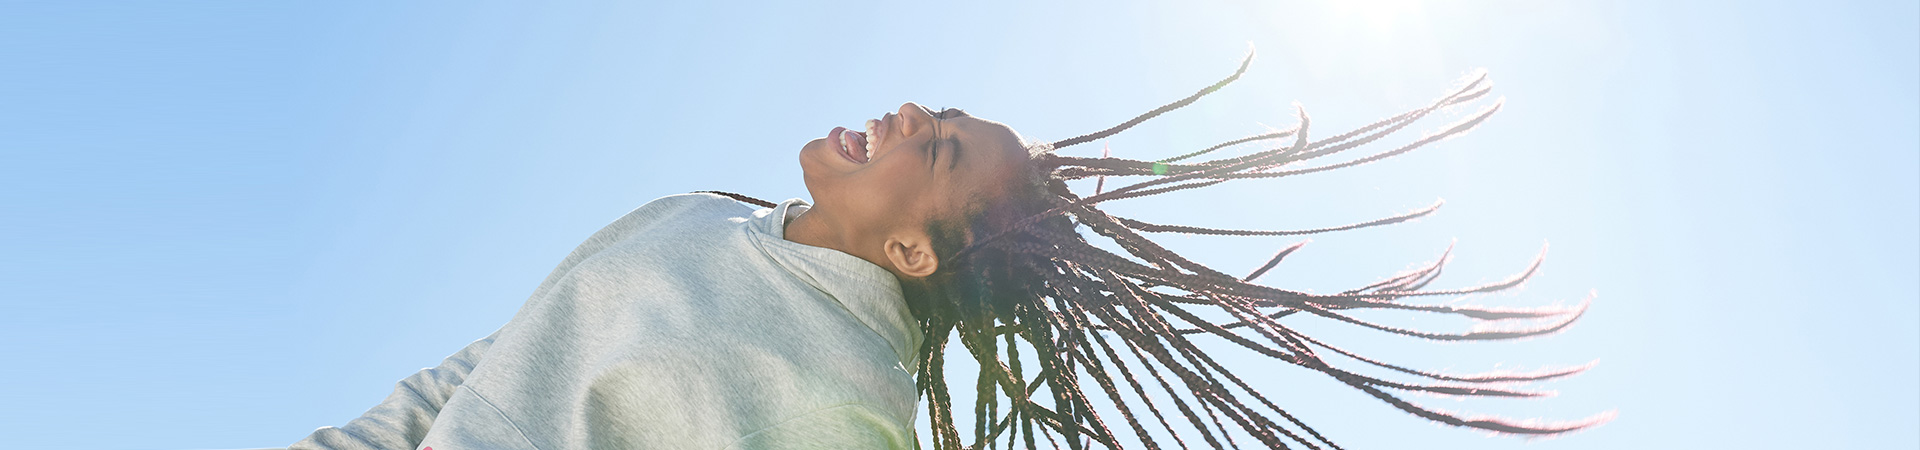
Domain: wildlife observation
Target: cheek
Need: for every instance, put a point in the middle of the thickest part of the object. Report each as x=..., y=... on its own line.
x=885, y=192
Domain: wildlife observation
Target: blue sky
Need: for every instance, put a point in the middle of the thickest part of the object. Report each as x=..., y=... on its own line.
x=223, y=224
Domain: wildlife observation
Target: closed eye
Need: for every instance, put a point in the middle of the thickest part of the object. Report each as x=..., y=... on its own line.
x=932, y=147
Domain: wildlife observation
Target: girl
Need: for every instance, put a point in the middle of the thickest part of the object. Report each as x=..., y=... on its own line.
x=698, y=322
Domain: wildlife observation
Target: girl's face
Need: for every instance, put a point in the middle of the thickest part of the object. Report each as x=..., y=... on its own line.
x=924, y=165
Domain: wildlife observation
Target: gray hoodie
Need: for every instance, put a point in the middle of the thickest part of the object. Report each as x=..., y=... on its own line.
x=689, y=323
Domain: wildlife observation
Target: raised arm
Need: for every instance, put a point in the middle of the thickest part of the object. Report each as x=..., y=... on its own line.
x=402, y=420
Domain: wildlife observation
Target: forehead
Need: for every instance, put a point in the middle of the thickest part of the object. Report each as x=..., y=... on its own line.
x=982, y=145
x=986, y=156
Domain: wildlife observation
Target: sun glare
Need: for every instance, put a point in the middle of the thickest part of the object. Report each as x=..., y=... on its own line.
x=1380, y=17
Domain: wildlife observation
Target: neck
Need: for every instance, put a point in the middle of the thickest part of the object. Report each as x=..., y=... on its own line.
x=820, y=230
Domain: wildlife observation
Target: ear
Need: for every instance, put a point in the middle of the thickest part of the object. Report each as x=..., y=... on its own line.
x=912, y=255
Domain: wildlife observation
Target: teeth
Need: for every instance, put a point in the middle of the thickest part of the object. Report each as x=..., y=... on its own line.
x=871, y=136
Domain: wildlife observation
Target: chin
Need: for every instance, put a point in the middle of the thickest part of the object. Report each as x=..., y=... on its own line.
x=813, y=170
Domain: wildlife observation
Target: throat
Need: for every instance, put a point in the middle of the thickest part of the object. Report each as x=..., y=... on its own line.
x=811, y=227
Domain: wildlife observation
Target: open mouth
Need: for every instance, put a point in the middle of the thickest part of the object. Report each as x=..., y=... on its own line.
x=854, y=145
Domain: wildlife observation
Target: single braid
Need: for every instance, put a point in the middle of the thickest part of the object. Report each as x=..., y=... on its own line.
x=742, y=198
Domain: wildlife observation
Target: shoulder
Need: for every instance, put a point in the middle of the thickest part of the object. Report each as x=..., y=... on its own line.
x=694, y=203
x=682, y=212
x=674, y=209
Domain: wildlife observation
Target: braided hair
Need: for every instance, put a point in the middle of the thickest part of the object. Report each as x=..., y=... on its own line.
x=1019, y=269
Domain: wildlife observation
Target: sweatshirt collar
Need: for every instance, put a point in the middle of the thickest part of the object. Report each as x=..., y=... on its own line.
x=869, y=292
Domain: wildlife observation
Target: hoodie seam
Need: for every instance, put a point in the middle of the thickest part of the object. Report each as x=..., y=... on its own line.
x=503, y=416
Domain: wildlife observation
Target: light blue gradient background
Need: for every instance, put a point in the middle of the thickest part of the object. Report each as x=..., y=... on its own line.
x=223, y=224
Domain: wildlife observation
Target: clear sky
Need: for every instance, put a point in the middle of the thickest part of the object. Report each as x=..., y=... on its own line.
x=224, y=224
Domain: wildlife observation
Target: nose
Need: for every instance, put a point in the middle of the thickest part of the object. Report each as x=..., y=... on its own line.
x=913, y=118
x=907, y=107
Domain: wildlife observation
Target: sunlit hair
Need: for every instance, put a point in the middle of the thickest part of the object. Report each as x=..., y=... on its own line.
x=1019, y=269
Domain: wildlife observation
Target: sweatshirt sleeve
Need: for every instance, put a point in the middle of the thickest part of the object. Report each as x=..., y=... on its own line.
x=402, y=420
